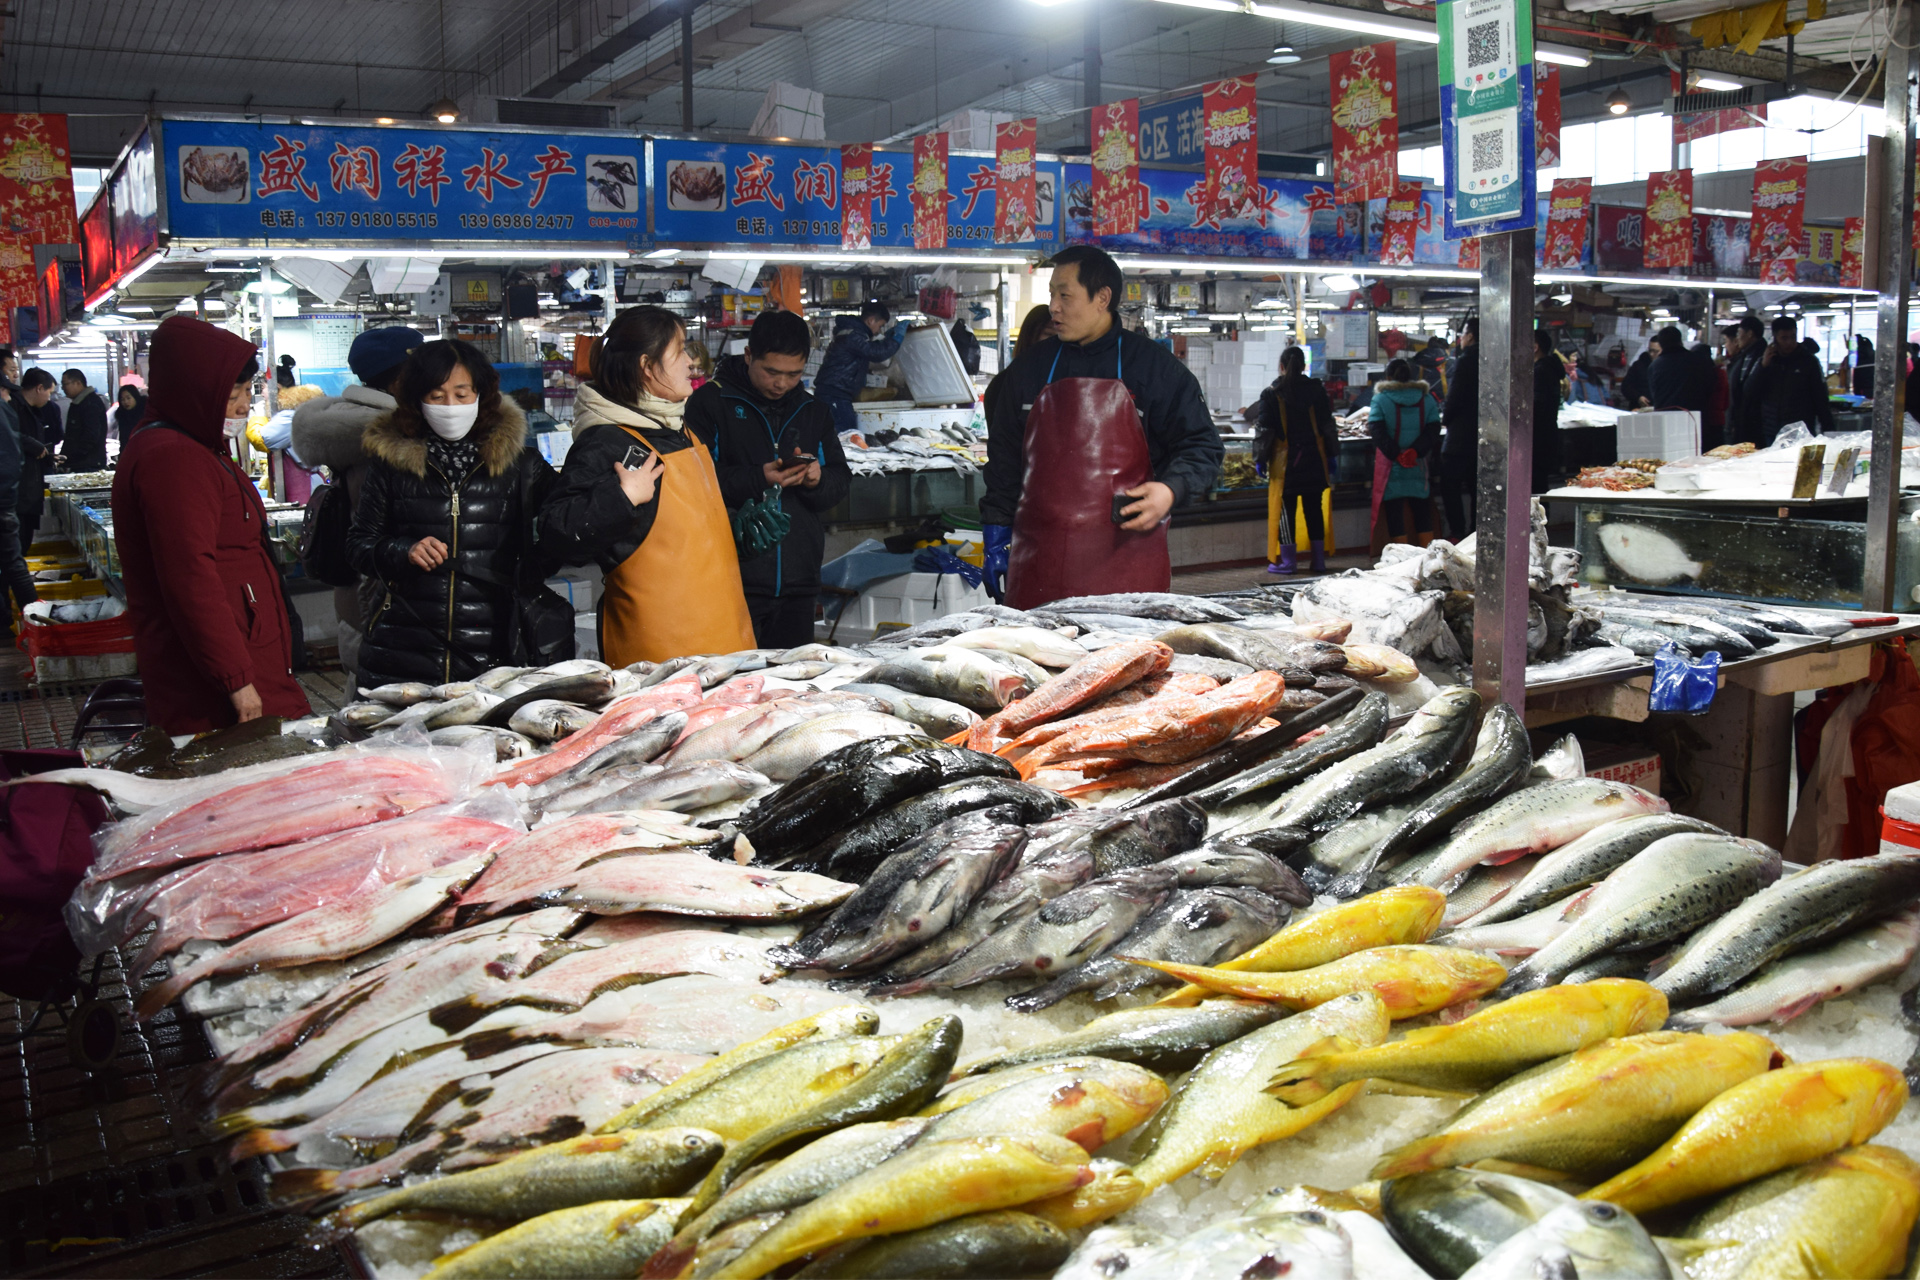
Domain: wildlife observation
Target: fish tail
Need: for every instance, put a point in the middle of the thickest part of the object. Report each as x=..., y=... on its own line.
x=299, y=1185
x=232, y=1122
x=1308, y=1078
x=260, y=1142
x=970, y=736
x=1185, y=998
x=1416, y=1157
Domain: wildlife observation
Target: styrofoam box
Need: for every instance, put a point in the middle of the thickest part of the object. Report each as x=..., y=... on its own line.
x=914, y=598
x=1667, y=434
x=897, y=417
x=586, y=637
x=1903, y=802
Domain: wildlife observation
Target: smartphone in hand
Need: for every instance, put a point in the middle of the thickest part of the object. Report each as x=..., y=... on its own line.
x=636, y=456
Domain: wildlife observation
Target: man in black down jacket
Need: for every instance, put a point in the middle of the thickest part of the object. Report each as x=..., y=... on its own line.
x=1788, y=386
x=86, y=430
x=1549, y=373
x=767, y=433
x=1673, y=379
x=1746, y=350
x=1460, y=414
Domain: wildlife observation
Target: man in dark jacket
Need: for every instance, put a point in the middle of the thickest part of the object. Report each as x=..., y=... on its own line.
x=86, y=430
x=1549, y=372
x=35, y=456
x=1673, y=380
x=856, y=345
x=1788, y=386
x=1459, y=456
x=1746, y=349
x=13, y=565
x=1636, y=388
x=769, y=435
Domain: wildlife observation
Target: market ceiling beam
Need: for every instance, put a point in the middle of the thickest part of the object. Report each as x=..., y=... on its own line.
x=724, y=38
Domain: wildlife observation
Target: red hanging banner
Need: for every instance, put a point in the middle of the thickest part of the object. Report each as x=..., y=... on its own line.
x=1667, y=237
x=1229, y=139
x=929, y=191
x=1366, y=123
x=36, y=191
x=1015, y=200
x=1546, y=116
x=1403, y=225
x=1470, y=253
x=1116, y=168
x=856, y=196
x=1569, y=208
x=1853, y=243
x=1779, y=209
x=1704, y=124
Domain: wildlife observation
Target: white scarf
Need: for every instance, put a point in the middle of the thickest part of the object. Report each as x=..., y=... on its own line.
x=591, y=409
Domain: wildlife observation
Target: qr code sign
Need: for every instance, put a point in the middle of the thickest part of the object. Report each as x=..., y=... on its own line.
x=1489, y=151
x=1483, y=45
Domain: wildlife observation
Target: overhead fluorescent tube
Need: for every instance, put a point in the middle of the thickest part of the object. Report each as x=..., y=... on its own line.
x=1366, y=24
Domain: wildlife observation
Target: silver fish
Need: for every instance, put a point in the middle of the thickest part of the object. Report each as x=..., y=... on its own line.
x=1785, y=989
x=574, y=667
x=1308, y=1245
x=1484, y=887
x=507, y=745
x=403, y=694
x=1796, y=911
x=1355, y=732
x=498, y=677
x=1538, y=819
x=468, y=708
x=1111, y=1252
x=789, y=752
x=1036, y=644
x=1587, y=860
x=1696, y=633
x=1164, y=606
x=1521, y=935
x=1590, y=1239
x=816, y=653
x=1642, y=641
x=1559, y=762
x=1449, y=1219
x=799, y=671
x=363, y=715
x=549, y=720
x=458, y=689
x=642, y=746
x=966, y=676
x=554, y=798
x=1224, y=861
x=937, y=716
x=738, y=736
x=1219, y=668
x=684, y=788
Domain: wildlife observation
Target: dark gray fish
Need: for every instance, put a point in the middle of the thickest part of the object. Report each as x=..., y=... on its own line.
x=1642, y=641
x=1139, y=837
x=851, y=784
x=1737, y=621
x=1255, y=649
x=1358, y=730
x=1001, y=1243
x=671, y=667
x=1696, y=633
x=1166, y=606
x=1225, y=861
x=853, y=854
x=1449, y=1219
x=936, y=629
x=1620, y=964
x=1193, y=926
x=588, y=688
x=1171, y=1039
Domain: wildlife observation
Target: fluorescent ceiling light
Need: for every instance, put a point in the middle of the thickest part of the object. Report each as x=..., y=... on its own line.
x=1716, y=83
x=278, y=286
x=1314, y=15
x=1282, y=56
x=1339, y=284
x=872, y=259
x=664, y=253
x=1561, y=55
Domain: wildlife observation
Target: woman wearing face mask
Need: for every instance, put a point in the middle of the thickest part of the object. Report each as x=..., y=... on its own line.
x=209, y=624
x=639, y=495
x=445, y=520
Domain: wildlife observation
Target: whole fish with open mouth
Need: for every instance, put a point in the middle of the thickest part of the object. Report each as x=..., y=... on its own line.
x=937, y=716
x=1786, y=988
x=1165, y=606
x=851, y=785
x=549, y=719
x=1586, y=861
x=1536, y=820
x=965, y=676
x=1661, y=894
x=854, y=853
x=683, y=788
x=1795, y=911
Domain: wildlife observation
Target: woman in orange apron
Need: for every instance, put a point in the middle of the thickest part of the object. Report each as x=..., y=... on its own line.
x=639, y=496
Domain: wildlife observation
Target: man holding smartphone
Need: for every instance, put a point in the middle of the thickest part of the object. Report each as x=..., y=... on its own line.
x=773, y=443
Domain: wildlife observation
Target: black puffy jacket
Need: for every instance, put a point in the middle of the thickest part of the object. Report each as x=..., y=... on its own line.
x=458, y=620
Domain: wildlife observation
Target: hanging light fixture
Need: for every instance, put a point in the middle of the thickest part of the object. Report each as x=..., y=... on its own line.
x=446, y=111
x=1282, y=55
x=1618, y=102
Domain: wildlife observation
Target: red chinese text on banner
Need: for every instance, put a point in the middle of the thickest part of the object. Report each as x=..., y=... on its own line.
x=36, y=190
x=1667, y=236
x=1546, y=116
x=1853, y=242
x=1016, y=200
x=1470, y=253
x=1366, y=123
x=1229, y=123
x=1704, y=124
x=1568, y=209
x=1779, y=206
x=929, y=191
x=1116, y=168
x=856, y=196
x=1403, y=225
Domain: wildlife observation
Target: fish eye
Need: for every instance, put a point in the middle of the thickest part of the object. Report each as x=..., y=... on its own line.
x=1314, y=1216
x=1601, y=1211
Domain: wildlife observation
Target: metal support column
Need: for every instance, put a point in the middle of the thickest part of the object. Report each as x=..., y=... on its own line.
x=1001, y=303
x=1090, y=77
x=1896, y=271
x=1300, y=312
x=686, y=63
x=1504, y=478
x=266, y=339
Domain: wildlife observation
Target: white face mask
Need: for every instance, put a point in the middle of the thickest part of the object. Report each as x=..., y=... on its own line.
x=234, y=427
x=451, y=421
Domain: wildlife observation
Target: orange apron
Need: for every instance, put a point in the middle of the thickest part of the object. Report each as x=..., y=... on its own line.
x=679, y=594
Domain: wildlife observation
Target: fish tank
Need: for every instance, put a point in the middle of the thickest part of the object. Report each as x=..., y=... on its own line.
x=1745, y=557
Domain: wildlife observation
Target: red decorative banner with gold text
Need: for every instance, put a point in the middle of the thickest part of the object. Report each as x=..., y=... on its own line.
x=1016, y=201
x=1546, y=117
x=1568, y=211
x=1403, y=225
x=1779, y=209
x=929, y=191
x=1116, y=168
x=856, y=196
x=1667, y=237
x=36, y=198
x=1853, y=243
x=1470, y=253
x=1229, y=123
x=1366, y=123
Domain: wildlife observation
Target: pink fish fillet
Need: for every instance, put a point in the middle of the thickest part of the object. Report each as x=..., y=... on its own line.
x=622, y=717
x=534, y=861
x=693, y=884
x=226, y=897
x=332, y=932
x=337, y=795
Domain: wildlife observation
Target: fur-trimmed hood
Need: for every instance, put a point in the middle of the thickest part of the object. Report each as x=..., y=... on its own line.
x=399, y=438
x=327, y=431
x=1384, y=385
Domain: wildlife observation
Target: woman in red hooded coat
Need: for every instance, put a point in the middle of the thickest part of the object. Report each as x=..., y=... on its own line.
x=209, y=622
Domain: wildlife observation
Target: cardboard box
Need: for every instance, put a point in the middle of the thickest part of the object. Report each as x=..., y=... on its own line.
x=1624, y=762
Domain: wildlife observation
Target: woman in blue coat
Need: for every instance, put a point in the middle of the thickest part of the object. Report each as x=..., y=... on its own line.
x=1404, y=422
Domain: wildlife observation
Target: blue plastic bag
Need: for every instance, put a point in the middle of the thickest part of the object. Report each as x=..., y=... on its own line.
x=942, y=560
x=1681, y=685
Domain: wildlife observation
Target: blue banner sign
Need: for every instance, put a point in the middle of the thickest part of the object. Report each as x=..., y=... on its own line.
x=230, y=180
x=1170, y=132
x=764, y=193
x=1298, y=219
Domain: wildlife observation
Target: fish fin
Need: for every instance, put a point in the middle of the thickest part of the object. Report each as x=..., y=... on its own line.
x=233, y=1122
x=1415, y=1157
x=302, y=1185
x=1300, y=1082
x=260, y=1142
x=1400, y=1089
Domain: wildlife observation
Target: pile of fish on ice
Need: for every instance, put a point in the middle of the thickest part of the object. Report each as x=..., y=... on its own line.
x=584, y=999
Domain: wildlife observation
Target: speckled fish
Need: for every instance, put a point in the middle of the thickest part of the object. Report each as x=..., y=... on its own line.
x=683, y=788
x=1588, y=860
x=1224, y=861
x=1161, y=1039
x=1400, y=916
x=632, y=1165
x=1001, y=1243
x=1599, y=1241
x=1218, y=1113
x=1357, y=731
x=1760, y=1126
x=1591, y=1113
x=608, y=1239
x=1449, y=1219
x=549, y=720
x=1664, y=892
x=1480, y=1051
x=403, y=694
x=1849, y=1214
x=1535, y=820
x=1794, y=912
x=1787, y=988
x=692, y=884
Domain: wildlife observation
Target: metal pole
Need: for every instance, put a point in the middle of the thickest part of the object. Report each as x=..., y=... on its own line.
x=1505, y=468
x=686, y=64
x=266, y=338
x=1090, y=78
x=613, y=294
x=1001, y=303
x=1300, y=311
x=1896, y=269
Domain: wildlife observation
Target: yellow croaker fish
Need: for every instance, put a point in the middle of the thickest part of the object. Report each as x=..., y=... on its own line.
x=1412, y=980
x=1847, y=1215
x=929, y=1182
x=973, y=1088
x=1479, y=1052
x=606, y=1238
x=1114, y=1190
x=770, y=1089
x=1393, y=917
x=1591, y=1113
x=849, y=1020
x=1090, y=1108
x=1760, y=1126
x=1218, y=1113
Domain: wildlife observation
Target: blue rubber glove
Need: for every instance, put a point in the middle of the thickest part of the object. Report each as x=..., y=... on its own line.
x=999, y=554
x=899, y=331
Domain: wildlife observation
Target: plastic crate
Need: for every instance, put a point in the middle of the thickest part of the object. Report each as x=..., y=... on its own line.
x=913, y=598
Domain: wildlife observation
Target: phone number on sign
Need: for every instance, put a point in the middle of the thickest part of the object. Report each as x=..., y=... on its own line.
x=518, y=221
x=331, y=218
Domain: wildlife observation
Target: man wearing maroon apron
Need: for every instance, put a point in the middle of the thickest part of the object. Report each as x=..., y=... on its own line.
x=1094, y=414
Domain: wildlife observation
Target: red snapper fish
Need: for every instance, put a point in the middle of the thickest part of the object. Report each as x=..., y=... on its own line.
x=1091, y=678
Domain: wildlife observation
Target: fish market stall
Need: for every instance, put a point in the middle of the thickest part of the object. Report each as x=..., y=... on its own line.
x=1012, y=943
